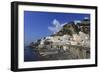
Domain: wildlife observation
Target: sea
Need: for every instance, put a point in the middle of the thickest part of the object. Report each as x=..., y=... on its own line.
x=30, y=54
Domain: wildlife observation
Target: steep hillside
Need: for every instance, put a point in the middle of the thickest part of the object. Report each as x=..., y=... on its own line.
x=72, y=28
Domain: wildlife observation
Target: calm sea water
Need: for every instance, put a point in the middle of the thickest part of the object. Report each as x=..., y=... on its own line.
x=30, y=54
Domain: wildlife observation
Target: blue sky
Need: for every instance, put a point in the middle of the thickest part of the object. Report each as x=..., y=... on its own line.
x=36, y=23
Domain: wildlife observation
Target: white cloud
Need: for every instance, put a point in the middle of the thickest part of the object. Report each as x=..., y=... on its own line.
x=86, y=17
x=57, y=26
x=77, y=21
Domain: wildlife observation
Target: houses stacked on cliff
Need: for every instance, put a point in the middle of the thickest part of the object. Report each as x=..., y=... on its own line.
x=73, y=33
x=76, y=33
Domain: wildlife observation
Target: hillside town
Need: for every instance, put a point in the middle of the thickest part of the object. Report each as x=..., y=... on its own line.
x=71, y=41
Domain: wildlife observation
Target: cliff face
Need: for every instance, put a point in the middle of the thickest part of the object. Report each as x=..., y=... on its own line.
x=73, y=39
x=75, y=28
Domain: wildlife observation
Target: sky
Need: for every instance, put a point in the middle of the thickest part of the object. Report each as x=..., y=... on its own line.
x=36, y=23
